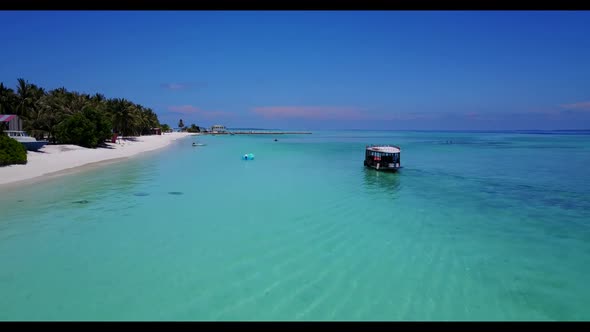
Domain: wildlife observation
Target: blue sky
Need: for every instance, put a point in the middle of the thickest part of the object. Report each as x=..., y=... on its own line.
x=313, y=70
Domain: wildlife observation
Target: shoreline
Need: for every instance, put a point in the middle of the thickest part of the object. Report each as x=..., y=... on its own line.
x=54, y=161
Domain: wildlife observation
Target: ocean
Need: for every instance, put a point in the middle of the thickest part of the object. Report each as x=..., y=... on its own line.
x=476, y=226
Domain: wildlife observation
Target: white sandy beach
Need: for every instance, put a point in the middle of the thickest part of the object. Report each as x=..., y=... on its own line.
x=58, y=158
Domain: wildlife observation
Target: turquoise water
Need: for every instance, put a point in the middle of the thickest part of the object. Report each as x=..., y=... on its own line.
x=492, y=226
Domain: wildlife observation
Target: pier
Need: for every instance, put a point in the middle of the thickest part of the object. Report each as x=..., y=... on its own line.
x=254, y=132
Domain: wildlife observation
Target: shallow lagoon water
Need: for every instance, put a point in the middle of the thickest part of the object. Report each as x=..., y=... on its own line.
x=476, y=226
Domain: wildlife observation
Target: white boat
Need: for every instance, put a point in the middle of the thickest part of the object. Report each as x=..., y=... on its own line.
x=28, y=141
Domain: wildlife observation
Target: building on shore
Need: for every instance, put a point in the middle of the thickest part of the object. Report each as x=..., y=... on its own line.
x=218, y=129
x=11, y=122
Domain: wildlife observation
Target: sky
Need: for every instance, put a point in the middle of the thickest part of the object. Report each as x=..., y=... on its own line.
x=314, y=70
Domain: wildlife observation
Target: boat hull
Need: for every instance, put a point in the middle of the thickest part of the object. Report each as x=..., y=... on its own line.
x=384, y=169
x=34, y=146
x=380, y=168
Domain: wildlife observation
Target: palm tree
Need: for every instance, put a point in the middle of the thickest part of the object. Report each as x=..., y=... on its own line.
x=24, y=96
x=7, y=100
x=124, y=116
x=99, y=103
x=98, y=97
x=194, y=128
x=153, y=118
x=76, y=102
x=147, y=120
x=54, y=107
x=27, y=98
x=141, y=121
x=42, y=112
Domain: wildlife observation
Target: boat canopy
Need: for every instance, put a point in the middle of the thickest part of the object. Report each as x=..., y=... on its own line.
x=384, y=149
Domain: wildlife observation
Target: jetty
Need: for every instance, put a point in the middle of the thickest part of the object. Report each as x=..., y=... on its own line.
x=256, y=132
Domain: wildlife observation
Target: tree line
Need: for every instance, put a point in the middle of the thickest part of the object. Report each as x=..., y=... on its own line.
x=70, y=117
x=192, y=129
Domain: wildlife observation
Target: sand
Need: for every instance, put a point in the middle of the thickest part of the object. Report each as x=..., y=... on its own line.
x=56, y=160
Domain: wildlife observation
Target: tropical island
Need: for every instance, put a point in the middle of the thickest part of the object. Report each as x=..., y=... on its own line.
x=80, y=129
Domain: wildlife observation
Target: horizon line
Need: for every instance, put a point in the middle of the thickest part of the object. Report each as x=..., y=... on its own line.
x=356, y=129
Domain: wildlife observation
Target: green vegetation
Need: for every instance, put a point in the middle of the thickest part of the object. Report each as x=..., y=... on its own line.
x=194, y=129
x=63, y=116
x=87, y=128
x=165, y=128
x=11, y=151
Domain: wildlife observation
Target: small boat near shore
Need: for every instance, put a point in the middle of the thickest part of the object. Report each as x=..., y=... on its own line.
x=22, y=137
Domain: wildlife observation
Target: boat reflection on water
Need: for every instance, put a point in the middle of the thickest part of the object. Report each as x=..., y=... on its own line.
x=383, y=182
